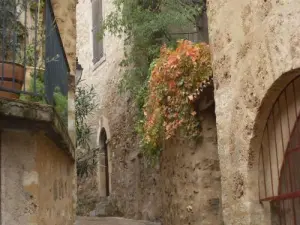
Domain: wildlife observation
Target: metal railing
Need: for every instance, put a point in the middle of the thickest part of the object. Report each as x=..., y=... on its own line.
x=33, y=63
x=191, y=36
x=279, y=173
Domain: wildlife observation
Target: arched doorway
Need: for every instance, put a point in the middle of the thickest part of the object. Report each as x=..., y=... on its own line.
x=279, y=170
x=104, y=163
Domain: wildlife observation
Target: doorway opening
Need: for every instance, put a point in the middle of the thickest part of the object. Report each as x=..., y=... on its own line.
x=104, y=165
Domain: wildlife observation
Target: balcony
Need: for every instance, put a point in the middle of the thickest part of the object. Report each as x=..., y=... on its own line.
x=33, y=63
x=191, y=36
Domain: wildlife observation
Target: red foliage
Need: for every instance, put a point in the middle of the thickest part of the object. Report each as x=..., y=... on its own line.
x=176, y=76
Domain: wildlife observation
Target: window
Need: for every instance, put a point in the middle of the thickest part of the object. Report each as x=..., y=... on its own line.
x=279, y=177
x=199, y=31
x=96, y=23
x=202, y=25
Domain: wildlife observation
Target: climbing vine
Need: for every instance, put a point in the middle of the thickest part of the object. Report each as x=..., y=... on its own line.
x=145, y=26
x=161, y=80
x=174, y=84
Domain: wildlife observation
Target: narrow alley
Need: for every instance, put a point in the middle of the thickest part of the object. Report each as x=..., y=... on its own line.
x=149, y=112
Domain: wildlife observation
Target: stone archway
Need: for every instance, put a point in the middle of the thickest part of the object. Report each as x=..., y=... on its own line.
x=250, y=70
x=103, y=163
x=276, y=116
x=104, y=158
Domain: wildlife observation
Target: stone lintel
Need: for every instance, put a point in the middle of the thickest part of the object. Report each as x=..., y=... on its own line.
x=16, y=114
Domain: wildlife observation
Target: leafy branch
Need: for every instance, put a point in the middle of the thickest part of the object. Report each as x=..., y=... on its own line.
x=145, y=26
x=174, y=86
x=84, y=105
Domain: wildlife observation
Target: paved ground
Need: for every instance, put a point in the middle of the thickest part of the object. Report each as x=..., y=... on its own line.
x=110, y=221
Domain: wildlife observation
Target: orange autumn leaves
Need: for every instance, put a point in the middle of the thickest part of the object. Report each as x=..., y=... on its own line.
x=174, y=79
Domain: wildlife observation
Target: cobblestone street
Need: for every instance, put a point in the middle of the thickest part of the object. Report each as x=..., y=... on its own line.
x=110, y=221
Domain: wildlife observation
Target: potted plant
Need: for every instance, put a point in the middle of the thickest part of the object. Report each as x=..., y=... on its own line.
x=60, y=101
x=12, y=36
x=36, y=12
x=31, y=68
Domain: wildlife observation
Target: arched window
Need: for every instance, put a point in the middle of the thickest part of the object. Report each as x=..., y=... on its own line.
x=279, y=171
x=104, y=166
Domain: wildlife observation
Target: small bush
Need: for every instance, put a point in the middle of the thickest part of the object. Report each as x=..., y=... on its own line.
x=169, y=108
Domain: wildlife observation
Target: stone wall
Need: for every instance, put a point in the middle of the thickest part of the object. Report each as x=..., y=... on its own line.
x=36, y=180
x=190, y=183
x=190, y=178
x=65, y=14
x=133, y=187
x=255, y=47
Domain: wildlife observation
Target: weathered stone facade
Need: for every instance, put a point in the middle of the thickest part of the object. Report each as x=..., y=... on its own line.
x=255, y=48
x=132, y=189
x=36, y=180
x=65, y=15
x=182, y=186
x=190, y=178
x=37, y=166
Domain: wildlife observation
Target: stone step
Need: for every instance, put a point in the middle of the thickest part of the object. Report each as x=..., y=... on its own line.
x=101, y=209
x=111, y=221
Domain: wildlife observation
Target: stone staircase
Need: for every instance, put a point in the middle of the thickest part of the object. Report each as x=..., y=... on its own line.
x=110, y=221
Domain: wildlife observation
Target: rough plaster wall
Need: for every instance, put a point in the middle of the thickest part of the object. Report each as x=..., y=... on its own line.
x=253, y=43
x=135, y=186
x=55, y=171
x=191, y=180
x=134, y=191
x=36, y=180
x=87, y=195
x=18, y=206
x=66, y=19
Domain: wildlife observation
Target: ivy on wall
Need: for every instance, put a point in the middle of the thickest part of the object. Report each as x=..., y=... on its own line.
x=174, y=80
x=161, y=80
x=145, y=26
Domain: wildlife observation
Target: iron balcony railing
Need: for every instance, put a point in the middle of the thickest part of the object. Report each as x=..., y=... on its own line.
x=191, y=36
x=33, y=63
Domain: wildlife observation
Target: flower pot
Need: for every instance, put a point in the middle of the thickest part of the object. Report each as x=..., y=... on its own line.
x=12, y=78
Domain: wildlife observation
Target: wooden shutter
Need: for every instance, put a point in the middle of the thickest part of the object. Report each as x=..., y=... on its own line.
x=97, y=20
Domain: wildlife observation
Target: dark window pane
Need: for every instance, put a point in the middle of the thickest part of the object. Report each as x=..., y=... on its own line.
x=97, y=20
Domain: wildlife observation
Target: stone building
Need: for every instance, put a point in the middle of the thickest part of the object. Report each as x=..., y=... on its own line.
x=245, y=169
x=37, y=153
x=37, y=166
x=256, y=70
x=123, y=184
x=120, y=170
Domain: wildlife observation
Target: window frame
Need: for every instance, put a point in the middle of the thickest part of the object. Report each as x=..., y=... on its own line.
x=98, y=55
